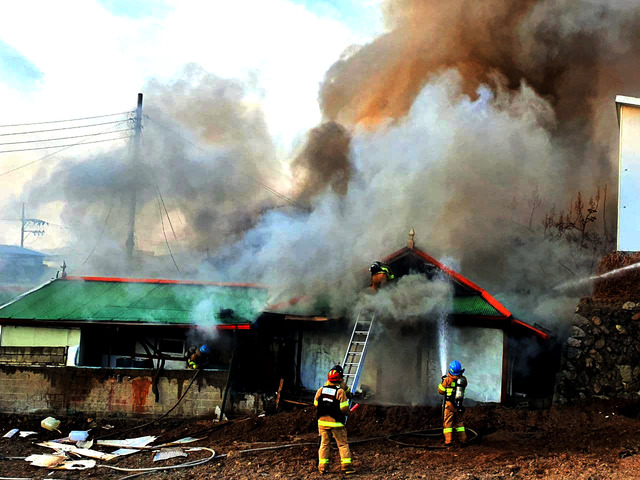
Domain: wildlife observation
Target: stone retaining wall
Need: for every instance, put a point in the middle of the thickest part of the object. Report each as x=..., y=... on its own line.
x=601, y=356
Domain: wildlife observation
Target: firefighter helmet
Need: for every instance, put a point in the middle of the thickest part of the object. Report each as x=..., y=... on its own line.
x=338, y=368
x=334, y=375
x=380, y=267
x=455, y=368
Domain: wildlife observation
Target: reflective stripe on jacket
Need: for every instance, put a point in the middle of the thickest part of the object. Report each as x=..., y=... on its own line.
x=341, y=397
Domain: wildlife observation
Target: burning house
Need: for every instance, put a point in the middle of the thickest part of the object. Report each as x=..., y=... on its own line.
x=124, y=341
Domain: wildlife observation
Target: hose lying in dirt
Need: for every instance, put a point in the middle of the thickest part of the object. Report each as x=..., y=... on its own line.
x=432, y=432
x=137, y=427
x=193, y=463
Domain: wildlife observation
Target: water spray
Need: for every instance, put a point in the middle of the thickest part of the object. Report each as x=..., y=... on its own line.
x=442, y=341
x=583, y=281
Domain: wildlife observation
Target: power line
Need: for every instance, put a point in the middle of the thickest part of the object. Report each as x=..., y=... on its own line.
x=271, y=190
x=66, y=138
x=69, y=145
x=69, y=120
x=166, y=240
x=53, y=153
x=99, y=236
x=62, y=128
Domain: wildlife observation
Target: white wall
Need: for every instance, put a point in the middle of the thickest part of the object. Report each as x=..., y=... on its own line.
x=629, y=179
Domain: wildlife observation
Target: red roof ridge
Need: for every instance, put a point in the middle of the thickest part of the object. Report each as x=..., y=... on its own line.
x=462, y=279
x=162, y=281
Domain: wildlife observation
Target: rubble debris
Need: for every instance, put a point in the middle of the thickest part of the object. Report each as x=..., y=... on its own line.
x=51, y=424
x=78, y=435
x=26, y=433
x=10, y=433
x=85, y=452
x=45, y=460
x=167, y=453
x=136, y=443
x=76, y=465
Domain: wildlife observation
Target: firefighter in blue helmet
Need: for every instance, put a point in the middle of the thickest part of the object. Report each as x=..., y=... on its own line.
x=197, y=357
x=452, y=387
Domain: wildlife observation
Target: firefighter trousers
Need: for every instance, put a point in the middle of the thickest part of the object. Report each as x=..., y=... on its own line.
x=453, y=423
x=340, y=434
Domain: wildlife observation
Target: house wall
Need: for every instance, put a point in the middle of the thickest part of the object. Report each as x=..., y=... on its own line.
x=480, y=350
x=101, y=392
x=403, y=366
x=18, y=336
x=321, y=350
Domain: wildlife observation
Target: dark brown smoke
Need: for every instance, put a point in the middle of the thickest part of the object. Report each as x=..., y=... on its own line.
x=324, y=162
x=575, y=54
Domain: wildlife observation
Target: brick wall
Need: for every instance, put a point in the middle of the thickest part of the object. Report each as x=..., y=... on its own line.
x=115, y=392
x=33, y=355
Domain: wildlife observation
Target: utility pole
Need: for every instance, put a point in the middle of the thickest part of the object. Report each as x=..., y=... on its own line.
x=25, y=222
x=130, y=243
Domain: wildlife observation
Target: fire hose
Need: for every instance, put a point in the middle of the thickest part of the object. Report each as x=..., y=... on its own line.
x=433, y=432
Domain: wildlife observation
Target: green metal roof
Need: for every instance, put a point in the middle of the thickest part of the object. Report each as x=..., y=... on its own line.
x=144, y=302
x=472, y=305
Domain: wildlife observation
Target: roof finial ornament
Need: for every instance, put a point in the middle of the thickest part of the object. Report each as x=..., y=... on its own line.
x=64, y=269
x=412, y=233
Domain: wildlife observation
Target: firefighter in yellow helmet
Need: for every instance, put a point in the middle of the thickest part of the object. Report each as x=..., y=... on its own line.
x=332, y=406
x=380, y=274
x=452, y=387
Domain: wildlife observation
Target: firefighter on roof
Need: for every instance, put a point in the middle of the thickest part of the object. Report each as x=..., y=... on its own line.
x=380, y=274
x=452, y=387
x=332, y=406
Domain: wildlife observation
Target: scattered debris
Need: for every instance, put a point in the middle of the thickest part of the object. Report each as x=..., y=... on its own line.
x=46, y=461
x=167, y=453
x=85, y=444
x=78, y=435
x=10, y=433
x=26, y=433
x=135, y=444
x=85, y=452
x=76, y=465
x=107, y=427
x=50, y=423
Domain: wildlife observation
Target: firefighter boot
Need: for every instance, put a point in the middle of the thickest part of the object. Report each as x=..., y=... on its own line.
x=323, y=466
x=348, y=469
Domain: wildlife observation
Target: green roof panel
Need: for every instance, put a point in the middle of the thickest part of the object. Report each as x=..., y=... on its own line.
x=145, y=302
x=473, y=305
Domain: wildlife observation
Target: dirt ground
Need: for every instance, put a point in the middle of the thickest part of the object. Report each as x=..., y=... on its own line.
x=596, y=440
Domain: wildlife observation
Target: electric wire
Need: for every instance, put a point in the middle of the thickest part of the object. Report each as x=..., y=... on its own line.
x=68, y=145
x=68, y=120
x=75, y=127
x=160, y=200
x=99, y=236
x=66, y=138
x=271, y=190
x=166, y=241
x=53, y=153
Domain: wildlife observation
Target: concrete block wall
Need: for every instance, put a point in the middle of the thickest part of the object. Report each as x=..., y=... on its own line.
x=103, y=392
x=33, y=355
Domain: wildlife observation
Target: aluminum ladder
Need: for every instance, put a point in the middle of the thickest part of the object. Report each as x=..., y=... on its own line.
x=354, y=358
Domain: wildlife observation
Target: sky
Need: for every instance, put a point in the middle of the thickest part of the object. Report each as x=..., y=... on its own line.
x=77, y=58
